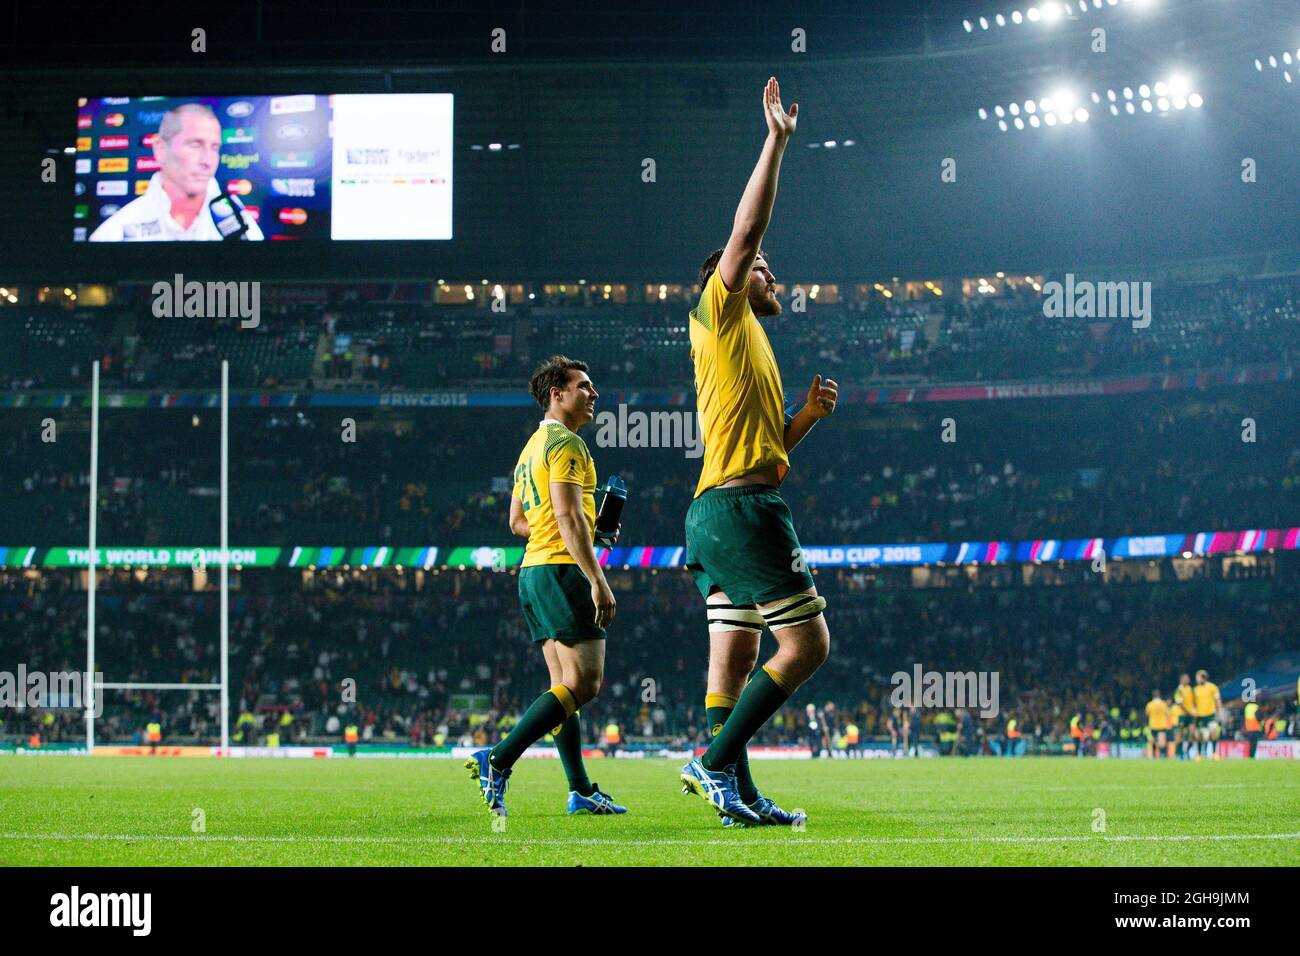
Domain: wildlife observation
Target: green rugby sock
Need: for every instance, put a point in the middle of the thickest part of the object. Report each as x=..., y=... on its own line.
x=549, y=710
x=762, y=698
x=568, y=741
x=717, y=715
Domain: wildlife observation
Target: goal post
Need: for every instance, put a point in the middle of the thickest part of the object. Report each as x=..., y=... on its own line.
x=223, y=559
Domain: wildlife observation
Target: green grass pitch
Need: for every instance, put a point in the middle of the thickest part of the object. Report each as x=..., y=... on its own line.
x=142, y=811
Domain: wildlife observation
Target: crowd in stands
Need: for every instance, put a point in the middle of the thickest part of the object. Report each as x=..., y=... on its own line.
x=418, y=345
x=1078, y=467
x=449, y=660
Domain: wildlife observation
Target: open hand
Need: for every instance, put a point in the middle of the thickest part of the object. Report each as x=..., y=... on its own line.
x=779, y=123
x=822, y=397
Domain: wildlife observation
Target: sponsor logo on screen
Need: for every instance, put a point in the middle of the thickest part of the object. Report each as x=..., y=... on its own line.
x=114, y=119
x=84, y=121
x=294, y=187
x=82, y=167
x=148, y=139
x=239, y=187
x=239, y=109
x=81, y=101
x=253, y=212
x=303, y=103
x=291, y=131
x=367, y=157
x=293, y=217
x=146, y=164
x=111, y=187
x=294, y=160
x=141, y=186
x=240, y=160
x=149, y=117
x=108, y=209
x=116, y=165
x=79, y=189
x=80, y=211
x=237, y=135
x=78, y=233
x=84, y=144
x=114, y=142
x=115, y=100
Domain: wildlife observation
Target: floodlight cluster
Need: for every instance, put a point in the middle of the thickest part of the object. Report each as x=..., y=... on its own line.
x=1064, y=107
x=1287, y=62
x=1053, y=11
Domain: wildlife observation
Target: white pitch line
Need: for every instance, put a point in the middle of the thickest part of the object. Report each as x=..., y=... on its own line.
x=599, y=841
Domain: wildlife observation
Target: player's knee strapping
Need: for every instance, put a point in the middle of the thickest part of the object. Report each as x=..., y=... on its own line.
x=793, y=610
x=734, y=617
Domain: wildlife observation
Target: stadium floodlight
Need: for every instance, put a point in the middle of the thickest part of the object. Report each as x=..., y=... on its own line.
x=1017, y=17
x=1286, y=58
x=1066, y=117
x=1034, y=121
x=1081, y=115
x=1002, y=125
x=1110, y=95
x=1162, y=88
x=1128, y=93
x=1000, y=20
x=1180, y=102
x=1030, y=107
x=1285, y=73
x=1259, y=66
x=1046, y=104
x=967, y=26
x=984, y=23
x=1020, y=124
x=1144, y=91
x=1146, y=106
x=1272, y=61
x=1014, y=109
x=1049, y=119
x=984, y=114
x=1051, y=11
x=1163, y=104
x=1195, y=101
x=1129, y=108
x=1114, y=110
x=999, y=111
x=1033, y=14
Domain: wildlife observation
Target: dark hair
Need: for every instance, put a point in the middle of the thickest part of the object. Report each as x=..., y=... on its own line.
x=711, y=263
x=553, y=373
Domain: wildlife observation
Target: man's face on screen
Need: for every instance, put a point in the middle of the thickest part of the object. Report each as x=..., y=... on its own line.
x=188, y=160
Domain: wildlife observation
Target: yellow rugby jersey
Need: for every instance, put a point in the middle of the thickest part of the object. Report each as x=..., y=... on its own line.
x=1204, y=695
x=737, y=388
x=1157, y=715
x=553, y=454
x=1183, y=696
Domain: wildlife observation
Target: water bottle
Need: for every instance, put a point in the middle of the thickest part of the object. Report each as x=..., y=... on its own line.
x=611, y=508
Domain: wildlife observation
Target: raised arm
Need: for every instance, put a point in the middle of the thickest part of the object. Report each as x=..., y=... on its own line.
x=755, y=209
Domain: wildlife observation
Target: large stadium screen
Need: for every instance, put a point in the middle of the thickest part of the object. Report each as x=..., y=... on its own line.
x=307, y=166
